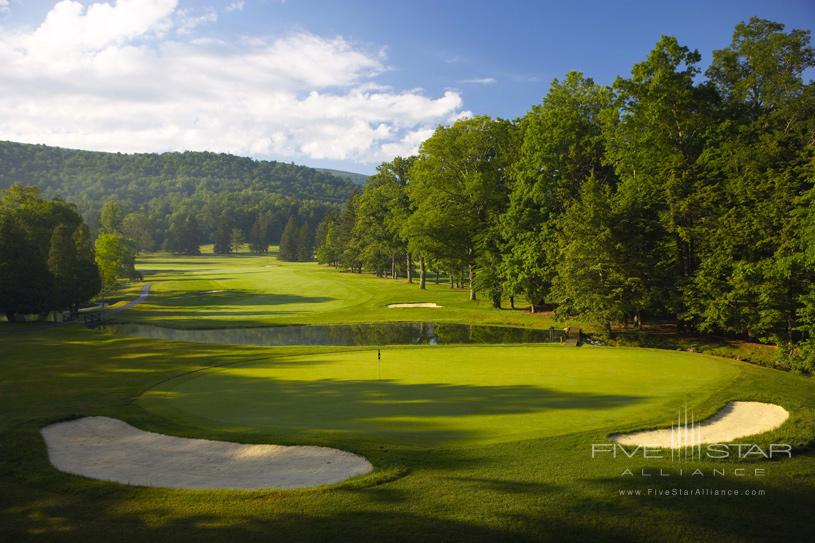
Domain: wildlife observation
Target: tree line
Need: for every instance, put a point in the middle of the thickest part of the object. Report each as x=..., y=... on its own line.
x=670, y=194
x=177, y=201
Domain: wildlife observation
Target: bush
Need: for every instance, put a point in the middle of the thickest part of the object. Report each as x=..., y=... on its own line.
x=799, y=356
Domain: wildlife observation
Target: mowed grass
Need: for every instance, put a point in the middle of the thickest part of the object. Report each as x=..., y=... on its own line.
x=539, y=489
x=470, y=443
x=210, y=291
x=442, y=397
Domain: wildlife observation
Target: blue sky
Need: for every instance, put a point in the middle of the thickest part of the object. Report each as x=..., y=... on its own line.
x=341, y=84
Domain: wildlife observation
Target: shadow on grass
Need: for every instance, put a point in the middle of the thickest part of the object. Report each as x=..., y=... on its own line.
x=467, y=509
x=230, y=298
x=372, y=409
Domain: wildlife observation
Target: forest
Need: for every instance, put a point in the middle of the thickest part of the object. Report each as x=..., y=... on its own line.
x=47, y=256
x=671, y=194
x=179, y=200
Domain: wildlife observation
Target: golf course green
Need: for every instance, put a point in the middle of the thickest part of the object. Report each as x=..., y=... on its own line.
x=468, y=442
x=443, y=396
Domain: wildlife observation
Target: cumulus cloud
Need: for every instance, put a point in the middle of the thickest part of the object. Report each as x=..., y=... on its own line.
x=130, y=76
x=4, y=6
x=235, y=6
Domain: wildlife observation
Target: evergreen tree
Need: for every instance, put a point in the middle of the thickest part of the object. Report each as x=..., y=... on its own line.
x=289, y=241
x=561, y=146
x=305, y=243
x=260, y=234
x=590, y=280
x=223, y=236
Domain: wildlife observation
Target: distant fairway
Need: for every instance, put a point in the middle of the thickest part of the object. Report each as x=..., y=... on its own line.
x=442, y=396
x=216, y=291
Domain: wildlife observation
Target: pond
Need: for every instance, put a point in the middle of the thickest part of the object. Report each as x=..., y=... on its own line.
x=403, y=333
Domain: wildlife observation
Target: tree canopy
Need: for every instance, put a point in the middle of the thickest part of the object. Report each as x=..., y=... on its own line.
x=670, y=194
x=46, y=257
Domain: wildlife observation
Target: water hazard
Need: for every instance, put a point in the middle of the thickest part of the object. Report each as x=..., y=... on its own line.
x=403, y=333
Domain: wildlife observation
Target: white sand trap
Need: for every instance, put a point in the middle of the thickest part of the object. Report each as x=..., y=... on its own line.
x=213, y=291
x=734, y=421
x=422, y=304
x=112, y=450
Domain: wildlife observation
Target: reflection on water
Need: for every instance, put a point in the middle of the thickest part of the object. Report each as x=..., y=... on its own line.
x=403, y=333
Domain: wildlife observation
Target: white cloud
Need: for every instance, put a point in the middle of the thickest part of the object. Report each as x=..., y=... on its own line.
x=187, y=21
x=4, y=6
x=408, y=145
x=235, y=6
x=123, y=76
x=480, y=81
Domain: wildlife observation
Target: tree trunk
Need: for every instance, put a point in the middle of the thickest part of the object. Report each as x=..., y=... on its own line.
x=437, y=277
x=531, y=307
x=471, y=270
x=422, y=272
x=512, y=302
x=10, y=316
x=393, y=266
x=409, y=262
x=452, y=285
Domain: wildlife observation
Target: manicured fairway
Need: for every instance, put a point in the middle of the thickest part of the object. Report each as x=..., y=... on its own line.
x=444, y=396
x=245, y=290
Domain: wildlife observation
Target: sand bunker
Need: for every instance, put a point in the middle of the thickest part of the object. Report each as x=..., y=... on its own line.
x=734, y=421
x=422, y=304
x=112, y=450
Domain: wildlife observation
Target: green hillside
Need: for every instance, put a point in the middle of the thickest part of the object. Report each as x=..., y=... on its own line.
x=219, y=191
x=355, y=178
x=87, y=176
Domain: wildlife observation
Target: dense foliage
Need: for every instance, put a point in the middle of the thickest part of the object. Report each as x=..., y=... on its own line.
x=46, y=255
x=163, y=196
x=666, y=195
